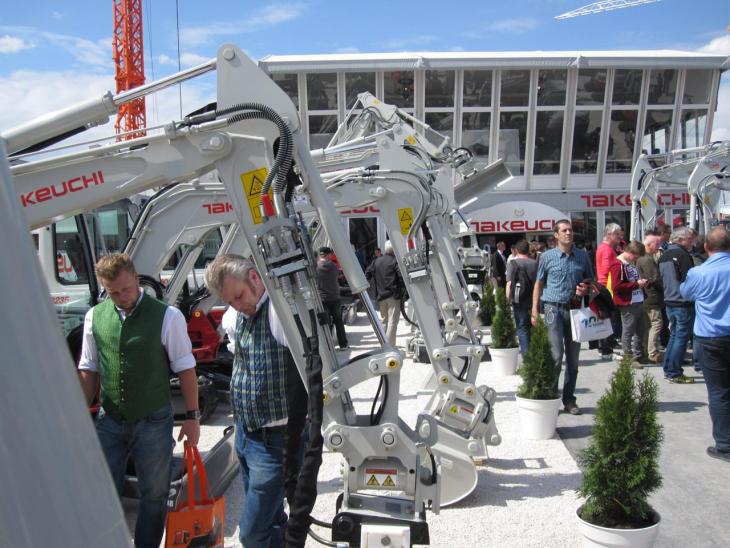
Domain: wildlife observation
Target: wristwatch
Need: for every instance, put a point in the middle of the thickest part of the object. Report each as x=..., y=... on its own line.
x=192, y=415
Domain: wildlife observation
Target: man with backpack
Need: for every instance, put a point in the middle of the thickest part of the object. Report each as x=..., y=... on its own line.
x=521, y=274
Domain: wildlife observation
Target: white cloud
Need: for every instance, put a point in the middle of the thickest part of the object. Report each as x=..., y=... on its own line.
x=413, y=42
x=347, y=50
x=13, y=44
x=88, y=52
x=57, y=15
x=505, y=26
x=262, y=18
x=514, y=26
x=26, y=95
x=720, y=45
x=721, y=122
x=166, y=60
x=192, y=59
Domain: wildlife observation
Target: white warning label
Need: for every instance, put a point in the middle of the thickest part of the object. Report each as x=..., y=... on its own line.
x=381, y=477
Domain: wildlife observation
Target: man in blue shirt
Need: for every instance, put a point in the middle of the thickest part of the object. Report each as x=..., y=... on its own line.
x=561, y=272
x=708, y=285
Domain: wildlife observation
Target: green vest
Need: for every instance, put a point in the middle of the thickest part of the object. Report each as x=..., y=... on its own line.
x=133, y=364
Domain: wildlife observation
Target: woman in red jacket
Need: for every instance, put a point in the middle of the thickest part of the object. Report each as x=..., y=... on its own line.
x=628, y=295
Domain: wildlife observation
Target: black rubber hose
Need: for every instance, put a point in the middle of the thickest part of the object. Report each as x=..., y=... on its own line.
x=305, y=495
x=284, y=158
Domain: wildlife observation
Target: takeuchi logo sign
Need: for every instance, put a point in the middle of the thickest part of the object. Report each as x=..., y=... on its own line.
x=664, y=199
x=514, y=225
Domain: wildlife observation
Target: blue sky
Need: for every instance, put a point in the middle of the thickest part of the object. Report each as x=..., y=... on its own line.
x=55, y=53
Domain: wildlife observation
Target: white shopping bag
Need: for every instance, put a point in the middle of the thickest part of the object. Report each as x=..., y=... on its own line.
x=586, y=326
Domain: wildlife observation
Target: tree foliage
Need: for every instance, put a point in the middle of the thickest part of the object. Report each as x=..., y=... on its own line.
x=539, y=372
x=487, y=304
x=621, y=464
x=504, y=332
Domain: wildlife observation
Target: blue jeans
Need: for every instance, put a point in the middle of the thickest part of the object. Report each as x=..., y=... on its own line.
x=557, y=321
x=149, y=443
x=261, y=454
x=715, y=359
x=680, y=324
x=524, y=327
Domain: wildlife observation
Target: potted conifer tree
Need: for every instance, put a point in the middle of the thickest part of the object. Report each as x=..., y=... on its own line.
x=621, y=464
x=504, y=349
x=487, y=305
x=537, y=397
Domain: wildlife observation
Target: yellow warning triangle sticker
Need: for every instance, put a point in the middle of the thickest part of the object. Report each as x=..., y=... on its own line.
x=373, y=481
x=406, y=215
x=388, y=482
x=256, y=186
x=454, y=409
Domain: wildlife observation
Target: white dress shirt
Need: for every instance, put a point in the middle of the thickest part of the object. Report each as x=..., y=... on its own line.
x=228, y=323
x=174, y=337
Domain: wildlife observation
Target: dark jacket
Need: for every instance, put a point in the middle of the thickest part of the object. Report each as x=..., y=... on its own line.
x=649, y=270
x=386, y=277
x=327, y=274
x=674, y=264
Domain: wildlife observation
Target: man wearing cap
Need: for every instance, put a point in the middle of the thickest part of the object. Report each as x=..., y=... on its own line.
x=329, y=292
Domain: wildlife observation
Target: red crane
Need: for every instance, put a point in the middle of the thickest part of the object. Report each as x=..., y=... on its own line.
x=128, y=56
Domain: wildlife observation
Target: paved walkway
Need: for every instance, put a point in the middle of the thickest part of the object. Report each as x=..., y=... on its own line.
x=694, y=501
x=526, y=493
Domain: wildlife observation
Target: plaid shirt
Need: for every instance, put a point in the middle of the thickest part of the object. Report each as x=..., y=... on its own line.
x=560, y=272
x=259, y=380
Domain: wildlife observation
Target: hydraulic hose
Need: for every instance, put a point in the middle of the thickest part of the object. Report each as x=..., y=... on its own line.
x=304, y=496
x=284, y=158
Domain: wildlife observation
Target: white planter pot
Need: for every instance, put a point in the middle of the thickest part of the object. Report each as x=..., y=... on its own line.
x=504, y=361
x=595, y=536
x=538, y=418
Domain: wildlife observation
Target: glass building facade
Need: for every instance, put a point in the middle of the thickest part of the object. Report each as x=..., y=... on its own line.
x=564, y=124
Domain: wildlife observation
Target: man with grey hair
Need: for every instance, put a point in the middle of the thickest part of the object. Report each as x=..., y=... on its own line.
x=388, y=290
x=606, y=257
x=674, y=264
x=264, y=386
x=654, y=301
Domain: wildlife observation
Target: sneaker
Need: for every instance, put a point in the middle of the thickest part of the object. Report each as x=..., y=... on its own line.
x=608, y=356
x=681, y=379
x=717, y=454
x=656, y=359
x=698, y=369
x=572, y=408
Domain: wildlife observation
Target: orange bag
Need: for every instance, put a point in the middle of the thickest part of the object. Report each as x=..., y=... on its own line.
x=200, y=522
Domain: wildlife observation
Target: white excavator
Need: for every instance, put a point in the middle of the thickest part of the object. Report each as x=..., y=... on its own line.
x=237, y=140
x=701, y=171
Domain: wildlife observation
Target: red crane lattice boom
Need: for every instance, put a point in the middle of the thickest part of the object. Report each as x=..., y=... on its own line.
x=128, y=53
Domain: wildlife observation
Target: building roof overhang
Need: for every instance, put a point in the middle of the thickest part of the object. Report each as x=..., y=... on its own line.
x=492, y=60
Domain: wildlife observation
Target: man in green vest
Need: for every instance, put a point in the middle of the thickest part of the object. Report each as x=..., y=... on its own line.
x=267, y=397
x=130, y=343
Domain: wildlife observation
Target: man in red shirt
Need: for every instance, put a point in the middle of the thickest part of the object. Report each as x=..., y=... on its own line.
x=605, y=259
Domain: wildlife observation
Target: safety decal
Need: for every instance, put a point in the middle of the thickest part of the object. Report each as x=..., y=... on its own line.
x=405, y=218
x=411, y=140
x=253, y=182
x=381, y=477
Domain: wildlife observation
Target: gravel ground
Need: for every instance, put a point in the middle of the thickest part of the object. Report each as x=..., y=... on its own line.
x=525, y=495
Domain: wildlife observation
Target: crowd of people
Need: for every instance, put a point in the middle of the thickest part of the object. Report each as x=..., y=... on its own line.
x=131, y=343
x=670, y=292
